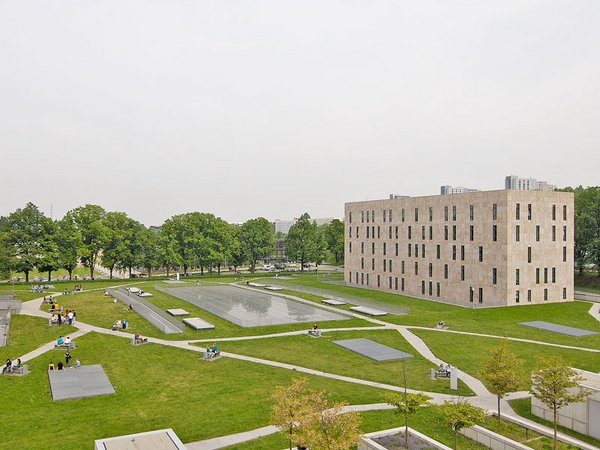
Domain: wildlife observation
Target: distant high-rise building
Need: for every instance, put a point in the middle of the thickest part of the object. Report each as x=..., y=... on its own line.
x=527, y=184
x=447, y=190
x=283, y=226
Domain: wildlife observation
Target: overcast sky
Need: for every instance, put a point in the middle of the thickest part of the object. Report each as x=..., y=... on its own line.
x=273, y=108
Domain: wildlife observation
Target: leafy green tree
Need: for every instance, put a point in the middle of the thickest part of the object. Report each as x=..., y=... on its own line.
x=49, y=253
x=238, y=254
x=334, y=238
x=556, y=384
x=302, y=242
x=69, y=243
x=461, y=414
x=290, y=407
x=258, y=237
x=150, y=252
x=500, y=371
x=89, y=223
x=114, y=242
x=5, y=255
x=27, y=231
x=167, y=256
x=406, y=405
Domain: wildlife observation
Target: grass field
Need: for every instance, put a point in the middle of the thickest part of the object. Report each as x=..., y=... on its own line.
x=497, y=321
x=156, y=387
x=466, y=353
x=28, y=333
x=321, y=354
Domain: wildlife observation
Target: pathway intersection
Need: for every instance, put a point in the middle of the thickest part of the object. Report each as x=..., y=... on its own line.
x=482, y=398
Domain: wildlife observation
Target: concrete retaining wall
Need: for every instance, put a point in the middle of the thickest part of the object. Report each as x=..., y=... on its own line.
x=367, y=442
x=492, y=440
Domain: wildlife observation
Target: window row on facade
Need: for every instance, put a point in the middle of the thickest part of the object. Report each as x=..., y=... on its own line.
x=451, y=212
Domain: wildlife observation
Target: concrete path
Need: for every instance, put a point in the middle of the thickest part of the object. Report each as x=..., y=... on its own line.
x=595, y=311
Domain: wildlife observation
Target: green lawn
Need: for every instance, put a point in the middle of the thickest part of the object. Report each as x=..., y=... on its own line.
x=156, y=387
x=28, y=333
x=466, y=353
x=497, y=321
x=522, y=407
x=21, y=295
x=321, y=354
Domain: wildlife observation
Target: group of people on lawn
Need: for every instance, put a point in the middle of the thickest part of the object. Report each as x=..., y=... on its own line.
x=58, y=318
x=61, y=366
x=64, y=342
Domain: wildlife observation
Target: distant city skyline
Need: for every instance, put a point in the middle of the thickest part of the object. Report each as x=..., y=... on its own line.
x=273, y=109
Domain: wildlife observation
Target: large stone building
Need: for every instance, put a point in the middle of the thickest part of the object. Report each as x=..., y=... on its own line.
x=478, y=249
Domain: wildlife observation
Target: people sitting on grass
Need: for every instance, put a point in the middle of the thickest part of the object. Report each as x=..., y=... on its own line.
x=441, y=325
x=60, y=366
x=59, y=341
x=138, y=339
x=77, y=363
x=315, y=330
x=54, y=319
x=67, y=342
x=117, y=326
x=51, y=366
x=7, y=367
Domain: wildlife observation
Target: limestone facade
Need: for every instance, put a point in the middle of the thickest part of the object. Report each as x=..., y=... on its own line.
x=477, y=249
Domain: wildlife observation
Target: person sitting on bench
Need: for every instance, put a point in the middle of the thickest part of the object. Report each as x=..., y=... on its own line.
x=212, y=351
x=315, y=331
x=7, y=366
x=118, y=326
x=441, y=325
x=67, y=342
x=59, y=341
x=138, y=339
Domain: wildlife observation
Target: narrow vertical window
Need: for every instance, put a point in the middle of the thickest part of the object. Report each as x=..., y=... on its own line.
x=430, y=232
x=480, y=253
x=384, y=214
x=446, y=213
x=390, y=215
x=564, y=293
x=517, y=296
x=402, y=214
x=528, y=295
x=529, y=211
x=430, y=270
x=422, y=250
x=494, y=233
x=545, y=294
x=564, y=212
x=454, y=252
x=423, y=232
x=396, y=231
x=462, y=273
x=453, y=232
x=537, y=275
x=565, y=233
x=396, y=249
x=517, y=233
x=402, y=284
x=409, y=232
x=430, y=214
x=416, y=268
x=564, y=254
x=553, y=233
x=471, y=294
x=517, y=273
x=471, y=212
x=537, y=233
x=529, y=254
x=446, y=271
x=454, y=213
x=409, y=250
x=553, y=212
x=446, y=232
x=416, y=214
x=545, y=275
x=423, y=287
x=402, y=267
x=494, y=275
x=350, y=247
x=480, y=295
x=384, y=248
x=390, y=232
x=462, y=252
x=554, y=274
x=518, y=211
x=437, y=289
x=494, y=211
x=471, y=232
x=438, y=251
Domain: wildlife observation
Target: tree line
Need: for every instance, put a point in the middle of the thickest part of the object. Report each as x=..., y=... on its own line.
x=587, y=228
x=91, y=236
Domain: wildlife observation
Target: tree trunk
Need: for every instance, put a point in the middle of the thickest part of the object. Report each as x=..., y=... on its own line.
x=185, y=267
x=26, y=276
x=129, y=271
x=498, y=409
x=406, y=431
x=455, y=439
x=111, y=272
x=201, y=270
x=219, y=269
x=167, y=271
x=70, y=274
x=555, y=427
x=49, y=275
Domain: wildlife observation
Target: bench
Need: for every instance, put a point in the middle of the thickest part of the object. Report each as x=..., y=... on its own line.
x=435, y=374
x=21, y=370
x=211, y=356
x=139, y=341
x=63, y=346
